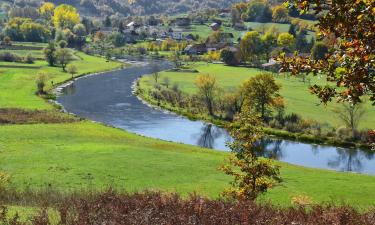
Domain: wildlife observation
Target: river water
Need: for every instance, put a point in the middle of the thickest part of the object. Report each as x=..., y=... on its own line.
x=108, y=98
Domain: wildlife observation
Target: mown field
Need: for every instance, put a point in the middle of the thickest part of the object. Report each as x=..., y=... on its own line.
x=86, y=155
x=294, y=90
x=17, y=80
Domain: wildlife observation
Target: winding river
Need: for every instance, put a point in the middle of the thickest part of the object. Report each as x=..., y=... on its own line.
x=108, y=98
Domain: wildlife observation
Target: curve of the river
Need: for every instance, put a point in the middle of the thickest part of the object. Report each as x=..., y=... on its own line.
x=108, y=98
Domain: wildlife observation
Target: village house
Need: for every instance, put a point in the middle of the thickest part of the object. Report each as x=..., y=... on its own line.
x=195, y=49
x=215, y=26
x=132, y=25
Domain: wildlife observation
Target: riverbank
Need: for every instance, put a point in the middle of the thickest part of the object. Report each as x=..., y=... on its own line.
x=297, y=97
x=85, y=155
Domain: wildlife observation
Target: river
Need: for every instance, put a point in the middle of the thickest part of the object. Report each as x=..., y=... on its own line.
x=108, y=98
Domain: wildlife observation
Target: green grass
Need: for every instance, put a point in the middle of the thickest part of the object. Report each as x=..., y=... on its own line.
x=296, y=94
x=87, y=155
x=18, y=86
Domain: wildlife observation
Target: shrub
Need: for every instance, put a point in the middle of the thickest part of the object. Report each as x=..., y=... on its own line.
x=41, y=82
x=29, y=58
x=9, y=57
x=156, y=208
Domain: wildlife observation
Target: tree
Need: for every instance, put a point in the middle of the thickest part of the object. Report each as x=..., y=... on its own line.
x=65, y=16
x=229, y=57
x=235, y=16
x=156, y=76
x=280, y=14
x=50, y=53
x=250, y=46
x=351, y=115
x=117, y=39
x=207, y=90
x=64, y=56
x=269, y=41
x=7, y=41
x=46, y=10
x=166, y=81
x=62, y=44
x=260, y=93
x=72, y=69
x=41, y=80
x=351, y=24
x=319, y=51
x=286, y=40
x=301, y=42
x=34, y=32
x=259, y=11
x=252, y=175
x=79, y=30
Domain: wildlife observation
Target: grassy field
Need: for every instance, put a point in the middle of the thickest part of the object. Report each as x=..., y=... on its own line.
x=80, y=155
x=17, y=83
x=87, y=155
x=296, y=94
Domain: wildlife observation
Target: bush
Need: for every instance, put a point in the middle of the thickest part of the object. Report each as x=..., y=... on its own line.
x=10, y=57
x=29, y=58
x=156, y=208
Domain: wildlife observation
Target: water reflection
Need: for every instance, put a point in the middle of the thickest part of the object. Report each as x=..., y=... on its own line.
x=69, y=90
x=208, y=135
x=350, y=160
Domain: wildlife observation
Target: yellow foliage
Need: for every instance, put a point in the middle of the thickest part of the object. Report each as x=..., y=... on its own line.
x=302, y=200
x=4, y=179
x=47, y=9
x=65, y=16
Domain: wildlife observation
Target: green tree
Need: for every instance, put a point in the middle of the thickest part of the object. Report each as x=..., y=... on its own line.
x=62, y=44
x=286, y=40
x=252, y=175
x=64, y=56
x=350, y=114
x=259, y=11
x=50, y=53
x=260, y=92
x=229, y=57
x=250, y=47
x=207, y=89
x=269, y=41
x=319, y=51
x=41, y=80
x=72, y=69
x=79, y=30
x=280, y=14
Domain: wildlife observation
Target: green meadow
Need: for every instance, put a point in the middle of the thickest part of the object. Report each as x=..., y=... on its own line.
x=85, y=155
x=295, y=92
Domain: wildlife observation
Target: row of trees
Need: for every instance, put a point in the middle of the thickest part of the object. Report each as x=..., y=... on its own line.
x=255, y=47
x=259, y=11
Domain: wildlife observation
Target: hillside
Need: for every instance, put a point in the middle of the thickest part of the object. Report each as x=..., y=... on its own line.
x=135, y=7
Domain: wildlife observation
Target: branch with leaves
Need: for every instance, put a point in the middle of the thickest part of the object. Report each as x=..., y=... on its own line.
x=350, y=63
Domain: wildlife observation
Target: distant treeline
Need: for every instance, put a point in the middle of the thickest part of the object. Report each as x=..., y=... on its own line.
x=134, y=7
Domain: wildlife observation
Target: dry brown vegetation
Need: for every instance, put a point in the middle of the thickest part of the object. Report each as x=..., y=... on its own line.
x=156, y=208
x=20, y=116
